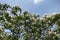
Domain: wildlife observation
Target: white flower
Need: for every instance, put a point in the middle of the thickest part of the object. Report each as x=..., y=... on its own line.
x=54, y=32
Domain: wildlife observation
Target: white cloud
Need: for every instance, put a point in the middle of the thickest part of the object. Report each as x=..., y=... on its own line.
x=38, y=1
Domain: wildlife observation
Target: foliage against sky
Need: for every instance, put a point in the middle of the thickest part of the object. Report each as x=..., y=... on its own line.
x=42, y=6
x=31, y=25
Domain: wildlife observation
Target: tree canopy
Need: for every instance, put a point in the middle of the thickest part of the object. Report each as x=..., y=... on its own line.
x=29, y=25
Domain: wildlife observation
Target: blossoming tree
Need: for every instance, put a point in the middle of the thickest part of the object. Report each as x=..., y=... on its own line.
x=30, y=26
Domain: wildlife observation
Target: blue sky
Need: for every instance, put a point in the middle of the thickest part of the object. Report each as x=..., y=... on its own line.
x=36, y=6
